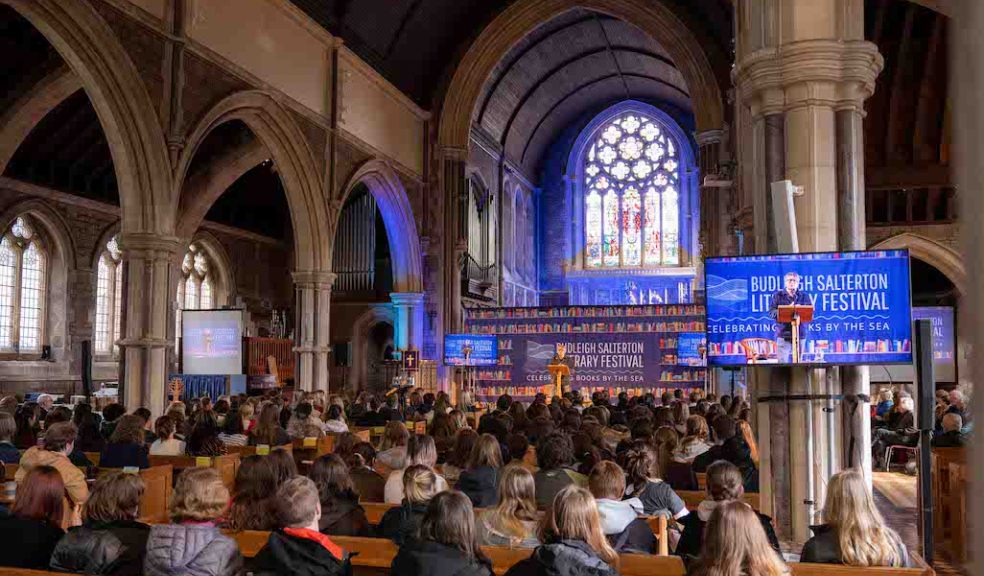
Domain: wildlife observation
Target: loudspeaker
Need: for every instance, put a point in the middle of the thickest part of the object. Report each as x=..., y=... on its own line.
x=342, y=351
x=46, y=353
x=925, y=377
x=86, y=368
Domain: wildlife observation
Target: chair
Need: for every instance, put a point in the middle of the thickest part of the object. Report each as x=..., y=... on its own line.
x=760, y=350
x=911, y=451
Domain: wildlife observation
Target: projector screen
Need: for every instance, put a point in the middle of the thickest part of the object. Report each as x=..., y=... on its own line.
x=212, y=341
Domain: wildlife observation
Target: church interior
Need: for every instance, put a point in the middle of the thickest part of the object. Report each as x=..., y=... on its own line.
x=317, y=203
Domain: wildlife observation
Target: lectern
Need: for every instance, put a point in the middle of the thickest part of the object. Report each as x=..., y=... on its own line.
x=795, y=315
x=557, y=373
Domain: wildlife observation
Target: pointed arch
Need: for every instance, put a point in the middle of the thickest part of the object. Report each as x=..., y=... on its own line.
x=127, y=114
x=944, y=259
x=522, y=17
x=223, y=272
x=286, y=145
x=398, y=218
x=376, y=314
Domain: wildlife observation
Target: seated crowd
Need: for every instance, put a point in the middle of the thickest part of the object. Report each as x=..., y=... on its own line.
x=573, y=483
x=893, y=421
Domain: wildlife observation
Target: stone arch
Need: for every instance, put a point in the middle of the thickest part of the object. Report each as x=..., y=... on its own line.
x=401, y=226
x=97, y=250
x=224, y=273
x=127, y=114
x=286, y=145
x=30, y=108
x=944, y=259
x=360, y=334
x=522, y=17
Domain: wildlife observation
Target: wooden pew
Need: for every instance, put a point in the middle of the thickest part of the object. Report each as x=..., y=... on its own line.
x=808, y=569
x=245, y=451
x=226, y=465
x=158, y=484
x=692, y=498
x=93, y=457
x=947, y=531
x=376, y=554
x=658, y=524
x=701, y=480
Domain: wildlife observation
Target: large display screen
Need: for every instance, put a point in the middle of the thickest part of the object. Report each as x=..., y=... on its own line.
x=212, y=341
x=692, y=349
x=851, y=307
x=471, y=350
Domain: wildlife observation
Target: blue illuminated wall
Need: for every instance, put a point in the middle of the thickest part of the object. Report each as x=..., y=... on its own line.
x=560, y=282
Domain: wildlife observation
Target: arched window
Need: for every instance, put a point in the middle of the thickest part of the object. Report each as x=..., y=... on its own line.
x=109, y=298
x=630, y=187
x=23, y=277
x=196, y=288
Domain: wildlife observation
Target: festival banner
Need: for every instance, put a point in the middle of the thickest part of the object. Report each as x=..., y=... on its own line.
x=860, y=300
x=617, y=348
x=944, y=347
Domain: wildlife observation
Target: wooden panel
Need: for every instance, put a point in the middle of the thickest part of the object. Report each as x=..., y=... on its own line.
x=807, y=569
x=244, y=451
x=93, y=457
x=158, y=482
x=692, y=498
x=258, y=349
x=226, y=465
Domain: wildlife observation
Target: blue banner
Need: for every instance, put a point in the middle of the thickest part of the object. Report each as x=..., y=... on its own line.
x=470, y=350
x=944, y=348
x=860, y=304
x=692, y=349
x=616, y=348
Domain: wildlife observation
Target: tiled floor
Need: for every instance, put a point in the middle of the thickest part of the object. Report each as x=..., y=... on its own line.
x=895, y=496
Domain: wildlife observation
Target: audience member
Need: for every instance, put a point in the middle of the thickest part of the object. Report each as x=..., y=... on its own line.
x=63, y=414
x=447, y=543
x=958, y=405
x=110, y=539
x=641, y=465
x=166, y=443
x=27, y=418
x=420, y=450
x=519, y=452
x=457, y=460
x=730, y=446
x=620, y=521
x=204, y=438
x=735, y=544
x=336, y=420
x=193, y=543
x=402, y=522
x=126, y=446
x=246, y=417
x=573, y=541
x=952, y=436
x=368, y=483
x=513, y=521
x=478, y=482
x=283, y=465
x=86, y=422
x=59, y=443
x=268, y=430
x=145, y=416
x=302, y=419
x=33, y=528
x=724, y=485
x=111, y=415
x=695, y=441
x=341, y=514
x=554, y=455
x=745, y=429
x=9, y=405
x=853, y=531
x=9, y=454
x=885, y=404
x=902, y=431
x=297, y=547
x=254, y=496
x=234, y=433
x=393, y=449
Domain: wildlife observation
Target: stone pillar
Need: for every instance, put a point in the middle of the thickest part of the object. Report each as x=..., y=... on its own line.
x=312, y=297
x=143, y=366
x=456, y=237
x=800, y=62
x=409, y=329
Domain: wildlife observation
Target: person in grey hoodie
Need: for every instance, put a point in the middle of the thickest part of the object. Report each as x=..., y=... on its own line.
x=620, y=521
x=193, y=545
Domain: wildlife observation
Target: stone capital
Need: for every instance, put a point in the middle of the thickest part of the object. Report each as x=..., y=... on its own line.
x=147, y=343
x=407, y=298
x=148, y=245
x=454, y=153
x=315, y=279
x=708, y=137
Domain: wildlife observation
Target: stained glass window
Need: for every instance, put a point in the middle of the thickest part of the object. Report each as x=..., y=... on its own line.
x=109, y=297
x=23, y=282
x=196, y=289
x=631, y=199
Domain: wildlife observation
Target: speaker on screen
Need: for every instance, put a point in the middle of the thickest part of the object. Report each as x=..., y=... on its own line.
x=925, y=375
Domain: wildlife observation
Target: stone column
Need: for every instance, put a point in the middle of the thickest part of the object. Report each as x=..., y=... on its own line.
x=798, y=63
x=312, y=290
x=456, y=239
x=143, y=366
x=409, y=329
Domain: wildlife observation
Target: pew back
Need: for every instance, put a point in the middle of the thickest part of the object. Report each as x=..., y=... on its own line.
x=158, y=483
x=226, y=465
x=692, y=498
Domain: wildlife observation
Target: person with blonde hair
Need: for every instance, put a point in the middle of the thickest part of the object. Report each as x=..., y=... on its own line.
x=402, y=522
x=736, y=545
x=478, y=481
x=420, y=450
x=446, y=544
x=513, y=521
x=9, y=454
x=745, y=429
x=573, y=540
x=110, y=539
x=724, y=485
x=193, y=543
x=853, y=532
x=696, y=440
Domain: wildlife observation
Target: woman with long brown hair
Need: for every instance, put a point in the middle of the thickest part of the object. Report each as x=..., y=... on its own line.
x=393, y=448
x=735, y=545
x=478, y=482
x=268, y=430
x=745, y=429
x=457, y=460
x=254, y=495
x=447, y=543
x=696, y=441
x=573, y=540
x=341, y=514
x=853, y=532
x=126, y=446
x=513, y=521
x=33, y=528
